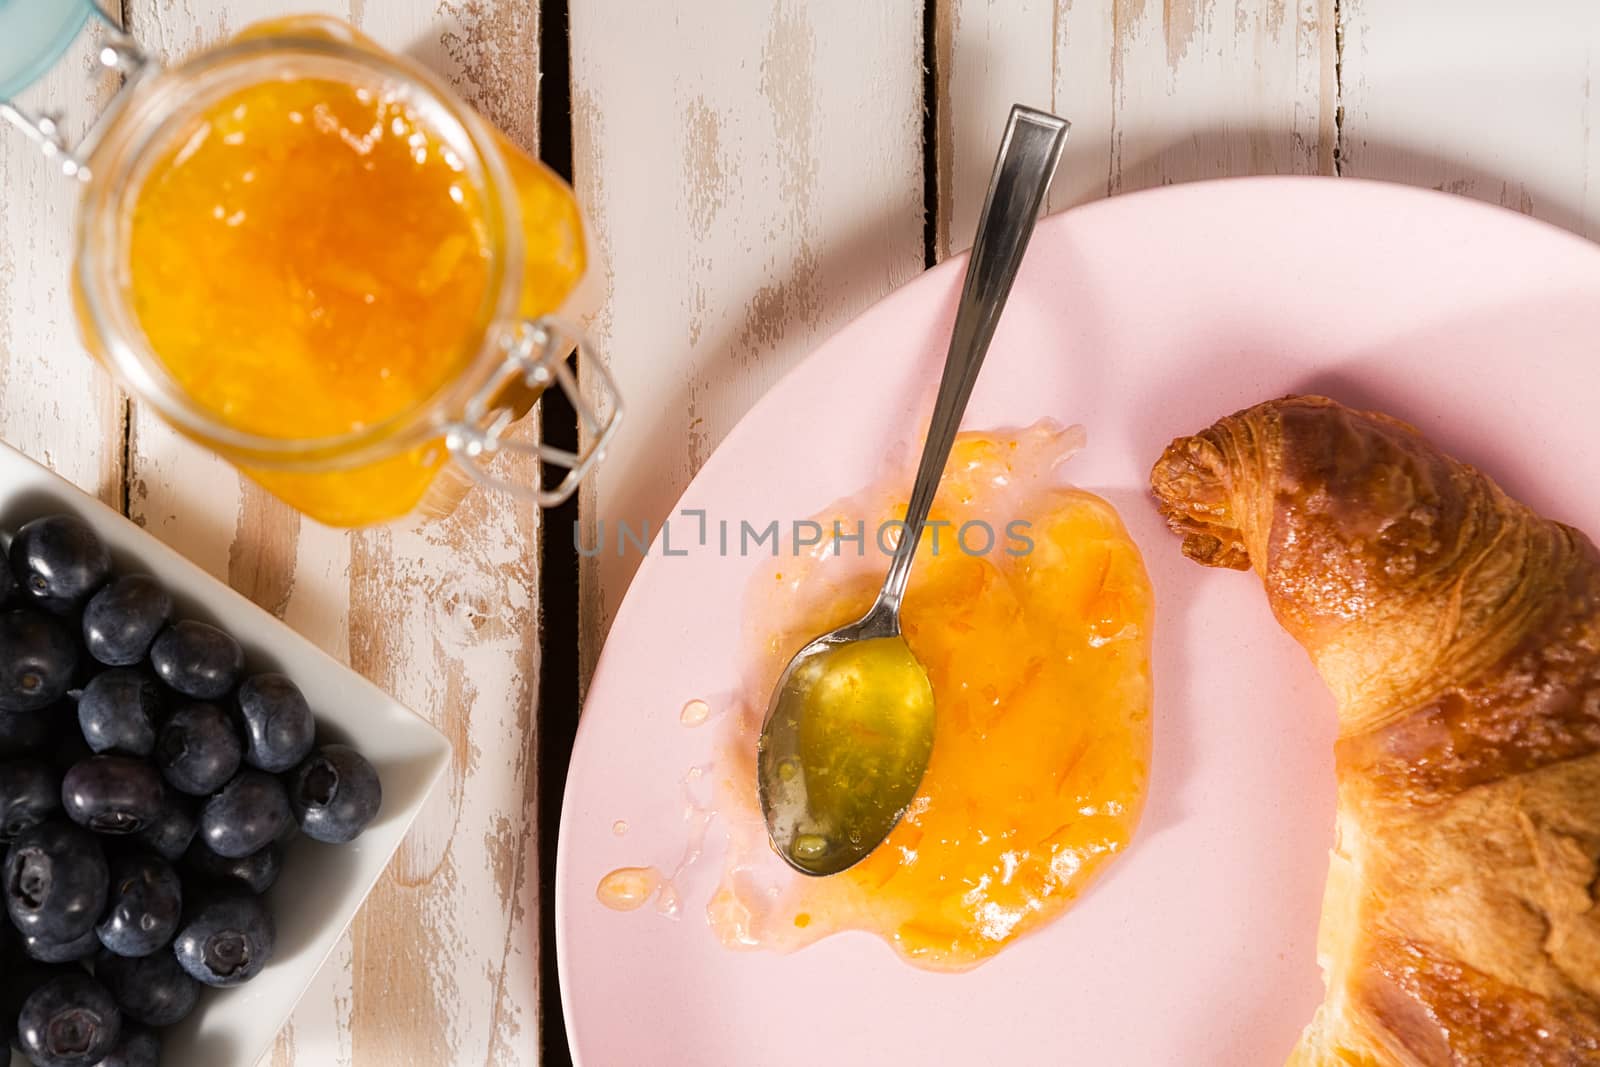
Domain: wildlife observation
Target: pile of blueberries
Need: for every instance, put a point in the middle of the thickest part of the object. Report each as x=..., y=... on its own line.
x=146, y=787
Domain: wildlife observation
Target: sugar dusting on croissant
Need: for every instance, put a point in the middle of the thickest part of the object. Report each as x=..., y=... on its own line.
x=1460, y=633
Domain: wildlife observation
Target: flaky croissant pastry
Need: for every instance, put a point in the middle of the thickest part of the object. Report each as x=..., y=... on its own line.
x=1460, y=633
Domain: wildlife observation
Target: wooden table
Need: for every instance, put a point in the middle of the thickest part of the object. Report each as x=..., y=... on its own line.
x=756, y=172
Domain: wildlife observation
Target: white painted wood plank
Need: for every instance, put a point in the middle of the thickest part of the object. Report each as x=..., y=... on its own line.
x=56, y=404
x=1469, y=97
x=441, y=965
x=986, y=60
x=753, y=173
x=1157, y=93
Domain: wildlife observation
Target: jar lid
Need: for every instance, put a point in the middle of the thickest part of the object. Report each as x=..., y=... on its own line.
x=33, y=35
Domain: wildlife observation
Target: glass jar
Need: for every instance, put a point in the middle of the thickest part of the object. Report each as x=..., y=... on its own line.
x=309, y=255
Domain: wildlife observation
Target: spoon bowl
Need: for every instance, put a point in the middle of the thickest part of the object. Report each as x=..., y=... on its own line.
x=850, y=728
x=844, y=747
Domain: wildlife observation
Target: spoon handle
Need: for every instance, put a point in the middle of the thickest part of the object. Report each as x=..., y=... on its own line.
x=1029, y=152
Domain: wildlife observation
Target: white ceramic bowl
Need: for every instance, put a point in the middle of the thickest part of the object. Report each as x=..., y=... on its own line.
x=321, y=886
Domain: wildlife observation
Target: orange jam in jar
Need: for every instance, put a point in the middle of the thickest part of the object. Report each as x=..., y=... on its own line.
x=310, y=256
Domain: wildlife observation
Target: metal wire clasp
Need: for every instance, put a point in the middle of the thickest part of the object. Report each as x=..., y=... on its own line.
x=119, y=52
x=536, y=355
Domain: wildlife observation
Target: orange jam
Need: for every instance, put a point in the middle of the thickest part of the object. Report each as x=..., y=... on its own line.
x=310, y=259
x=1039, y=662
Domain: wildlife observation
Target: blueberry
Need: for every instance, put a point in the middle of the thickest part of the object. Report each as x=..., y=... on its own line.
x=255, y=872
x=112, y=794
x=59, y=561
x=8, y=588
x=121, y=621
x=47, y=951
x=137, y=1048
x=118, y=712
x=152, y=989
x=335, y=794
x=173, y=829
x=55, y=881
x=38, y=657
x=227, y=942
x=20, y=977
x=197, y=660
x=279, y=729
x=145, y=906
x=70, y=1021
x=250, y=813
x=30, y=792
x=198, y=749
x=26, y=732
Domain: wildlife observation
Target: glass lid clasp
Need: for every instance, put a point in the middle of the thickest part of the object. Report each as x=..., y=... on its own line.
x=34, y=34
x=536, y=357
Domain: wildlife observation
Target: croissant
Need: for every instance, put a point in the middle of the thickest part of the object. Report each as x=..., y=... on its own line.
x=1460, y=632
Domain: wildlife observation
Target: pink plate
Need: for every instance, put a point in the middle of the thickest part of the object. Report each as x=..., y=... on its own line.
x=1142, y=317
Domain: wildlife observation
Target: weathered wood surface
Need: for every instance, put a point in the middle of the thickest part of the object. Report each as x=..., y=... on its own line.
x=55, y=404
x=753, y=173
x=1492, y=101
x=1157, y=93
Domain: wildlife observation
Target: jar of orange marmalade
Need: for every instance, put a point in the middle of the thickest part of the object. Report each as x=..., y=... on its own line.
x=309, y=255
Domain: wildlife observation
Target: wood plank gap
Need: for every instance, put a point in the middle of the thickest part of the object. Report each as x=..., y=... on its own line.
x=558, y=703
x=930, y=131
x=940, y=37
x=124, y=402
x=125, y=438
x=1338, y=87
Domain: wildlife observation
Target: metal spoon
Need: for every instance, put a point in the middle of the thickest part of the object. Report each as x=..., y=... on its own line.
x=850, y=728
